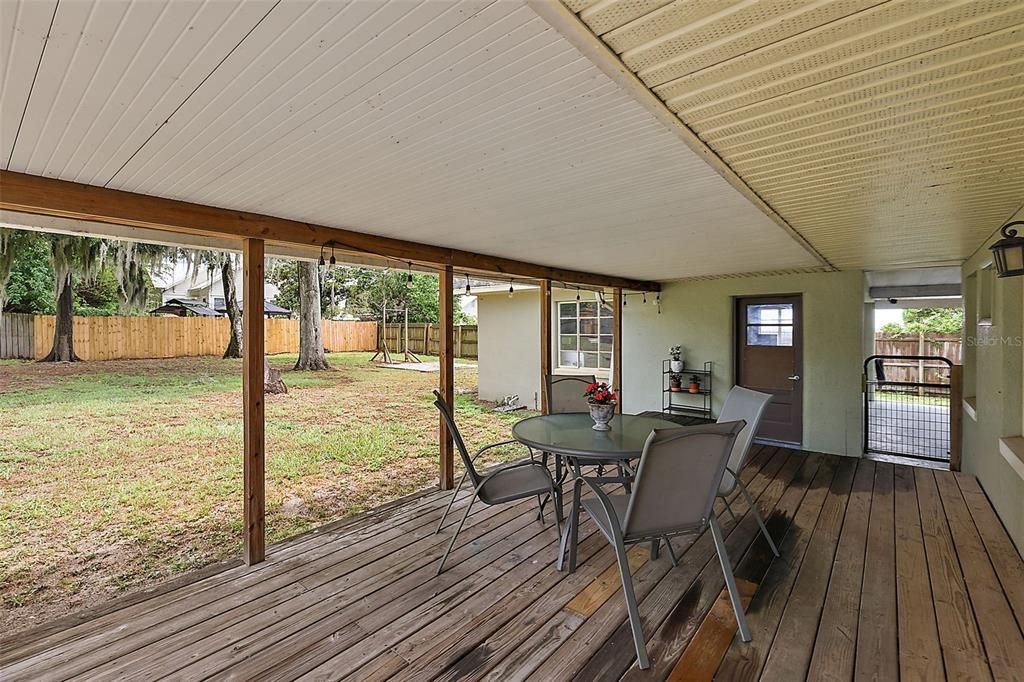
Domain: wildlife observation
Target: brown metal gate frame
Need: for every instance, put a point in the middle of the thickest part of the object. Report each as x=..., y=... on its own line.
x=925, y=431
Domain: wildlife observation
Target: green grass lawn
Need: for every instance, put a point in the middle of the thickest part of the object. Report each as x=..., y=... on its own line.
x=115, y=475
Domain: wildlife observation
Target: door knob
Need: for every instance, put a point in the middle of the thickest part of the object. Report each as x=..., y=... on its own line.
x=795, y=377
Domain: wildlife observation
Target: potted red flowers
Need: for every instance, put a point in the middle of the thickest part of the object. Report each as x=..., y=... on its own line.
x=602, y=405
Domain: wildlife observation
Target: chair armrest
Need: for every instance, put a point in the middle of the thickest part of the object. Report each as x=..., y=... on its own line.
x=602, y=496
x=498, y=444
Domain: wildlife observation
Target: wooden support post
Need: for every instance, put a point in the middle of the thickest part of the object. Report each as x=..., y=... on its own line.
x=252, y=401
x=545, y=343
x=617, y=345
x=956, y=416
x=447, y=362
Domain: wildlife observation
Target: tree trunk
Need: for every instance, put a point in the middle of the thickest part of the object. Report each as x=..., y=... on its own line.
x=311, y=340
x=64, y=330
x=227, y=272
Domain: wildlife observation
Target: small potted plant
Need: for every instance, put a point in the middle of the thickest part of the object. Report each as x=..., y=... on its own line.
x=695, y=383
x=602, y=402
x=675, y=382
x=676, y=363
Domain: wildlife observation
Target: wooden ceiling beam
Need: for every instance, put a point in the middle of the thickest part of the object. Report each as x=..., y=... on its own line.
x=49, y=196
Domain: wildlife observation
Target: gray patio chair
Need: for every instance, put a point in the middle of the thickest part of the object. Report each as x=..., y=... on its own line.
x=742, y=403
x=565, y=394
x=506, y=484
x=674, y=493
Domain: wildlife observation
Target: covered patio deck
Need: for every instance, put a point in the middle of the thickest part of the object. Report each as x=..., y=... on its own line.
x=886, y=572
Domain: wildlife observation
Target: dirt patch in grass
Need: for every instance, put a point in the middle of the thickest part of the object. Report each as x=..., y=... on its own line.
x=116, y=475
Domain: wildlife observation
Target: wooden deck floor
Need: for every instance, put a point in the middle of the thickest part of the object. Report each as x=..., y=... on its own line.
x=886, y=572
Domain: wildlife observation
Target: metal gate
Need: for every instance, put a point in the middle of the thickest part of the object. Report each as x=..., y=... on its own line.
x=906, y=406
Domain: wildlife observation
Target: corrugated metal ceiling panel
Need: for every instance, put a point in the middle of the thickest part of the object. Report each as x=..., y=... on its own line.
x=467, y=124
x=883, y=132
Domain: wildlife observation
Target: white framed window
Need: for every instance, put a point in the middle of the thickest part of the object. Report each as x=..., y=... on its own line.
x=585, y=332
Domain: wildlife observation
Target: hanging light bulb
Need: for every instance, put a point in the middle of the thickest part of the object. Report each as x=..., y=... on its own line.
x=577, y=293
x=657, y=300
x=624, y=300
x=467, y=285
x=645, y=298
x=322, y=262
x=511, y=291
x=334, y=261
x=408, y=277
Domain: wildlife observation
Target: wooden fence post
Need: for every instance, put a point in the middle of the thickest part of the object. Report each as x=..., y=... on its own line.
x=252, y=402
x=447, y=366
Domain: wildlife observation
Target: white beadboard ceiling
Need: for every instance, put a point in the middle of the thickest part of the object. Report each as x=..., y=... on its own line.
x=887, y=133
x=467, y=124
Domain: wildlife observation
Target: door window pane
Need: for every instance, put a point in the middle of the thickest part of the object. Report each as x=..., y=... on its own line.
x=770, y=313
x=769, y=335
x=606, y=342
x=588, y=326
x=607, y=325
x=568, y=359
x=588, y=343
x=606, y=360
x=567, y=326
x=589, y=360
x=588, y=308
x=567, y=342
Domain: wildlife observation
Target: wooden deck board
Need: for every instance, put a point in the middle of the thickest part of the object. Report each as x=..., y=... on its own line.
x=885, y=571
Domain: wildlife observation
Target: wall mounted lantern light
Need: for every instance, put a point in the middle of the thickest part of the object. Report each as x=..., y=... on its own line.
x=1008, y=252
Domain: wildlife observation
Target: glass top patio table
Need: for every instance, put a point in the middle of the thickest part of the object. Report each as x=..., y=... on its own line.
x=571, y=435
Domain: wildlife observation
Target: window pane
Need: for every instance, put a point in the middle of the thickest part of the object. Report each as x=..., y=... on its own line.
x=568, y=359
x=770, y=313
x=567, y=342
x=589, y=360
x=607, y=325
x=567, y=326
x=567, y=309
x=769, y=335
x=606, y=360
x=606, y=342
x=606, y=310
x=588, y=308
x=588, y=343
x=588, y=326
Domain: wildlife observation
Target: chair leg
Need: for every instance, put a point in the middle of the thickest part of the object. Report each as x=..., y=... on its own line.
x=671, y=552
x=440, y=566
x=631, y=607
x=563, y=544
x=760, y=521
x=654, y=549
x=447, y=509
x=541, y=499
x=730, y=580
x=558, y=521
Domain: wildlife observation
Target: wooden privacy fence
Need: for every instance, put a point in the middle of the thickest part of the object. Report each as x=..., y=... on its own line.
x=16, y=334
x=136, y=338
x=947, y=346
x=425, y=338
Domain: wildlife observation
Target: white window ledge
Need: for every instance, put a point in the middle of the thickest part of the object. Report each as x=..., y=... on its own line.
x=971, y=407
x=1012, y=450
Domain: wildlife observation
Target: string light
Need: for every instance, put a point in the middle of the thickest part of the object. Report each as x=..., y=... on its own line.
x=334, y=261
x=408, y=277
x=467, y=285
x=645, y=298
x=511, y=291
x=577, y=293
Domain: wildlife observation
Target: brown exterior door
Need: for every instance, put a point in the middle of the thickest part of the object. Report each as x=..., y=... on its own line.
x=769, y=338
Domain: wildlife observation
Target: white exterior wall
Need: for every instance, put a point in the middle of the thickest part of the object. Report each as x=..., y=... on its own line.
x=508, y=338
x=993, y=449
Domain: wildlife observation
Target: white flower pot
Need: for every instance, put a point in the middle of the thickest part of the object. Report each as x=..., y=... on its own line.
x=602, y=414
x=675, y=365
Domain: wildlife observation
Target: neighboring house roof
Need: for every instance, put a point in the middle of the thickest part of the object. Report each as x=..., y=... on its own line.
x=268, y=309
x=194, y=306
